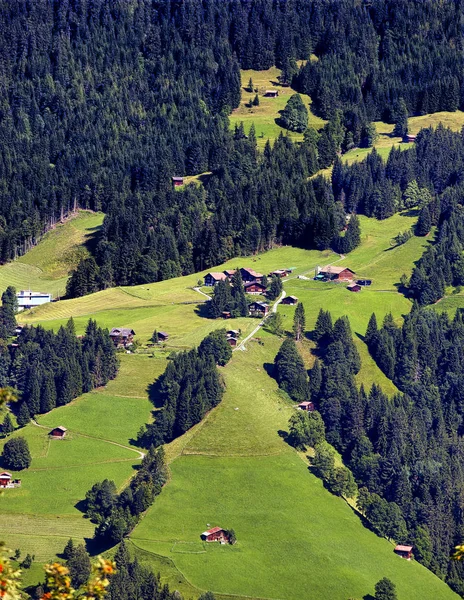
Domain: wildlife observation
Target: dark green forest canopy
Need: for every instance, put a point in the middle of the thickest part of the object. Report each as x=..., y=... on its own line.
x=103, y=102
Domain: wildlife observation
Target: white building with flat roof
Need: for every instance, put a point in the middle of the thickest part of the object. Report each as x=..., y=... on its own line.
x=29, y=299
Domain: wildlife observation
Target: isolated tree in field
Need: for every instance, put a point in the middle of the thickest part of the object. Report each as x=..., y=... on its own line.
x=68, y=549
x=16, y=454
x=154, y=337
x=250, y=87
x=295, y=114
x=400, y=119
x=255, y=101
x=299, y=321
x=79, y=566
x=385, y=589
x=7, y=426
x=27, y=562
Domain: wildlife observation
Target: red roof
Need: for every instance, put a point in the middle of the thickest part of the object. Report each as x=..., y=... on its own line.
x=305, y=403
x=214, y=530
x=401, y=548
x=5, y=475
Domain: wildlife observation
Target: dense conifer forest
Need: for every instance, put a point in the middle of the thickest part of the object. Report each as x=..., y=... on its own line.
x=103, y=102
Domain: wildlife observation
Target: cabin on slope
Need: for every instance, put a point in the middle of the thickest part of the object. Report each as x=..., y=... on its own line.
x=404, y=551
x=7, y=481
x=211, y=279
x=216, y=534
x=271, y=93
x=291, y=300
x=122, y=337
x=58, y=433
x=177, y=181
x=254, y=288
x=258, y=309
x=249, y=275
x=333, y=273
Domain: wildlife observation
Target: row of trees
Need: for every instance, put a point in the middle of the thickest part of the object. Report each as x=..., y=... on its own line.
x=190, y=386
x=117, y=514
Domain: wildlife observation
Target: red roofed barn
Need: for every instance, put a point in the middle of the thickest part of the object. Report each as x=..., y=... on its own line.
x=216, y=534
x=404, y=551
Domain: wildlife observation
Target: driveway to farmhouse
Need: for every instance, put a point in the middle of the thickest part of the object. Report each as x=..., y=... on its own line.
x=241, y=346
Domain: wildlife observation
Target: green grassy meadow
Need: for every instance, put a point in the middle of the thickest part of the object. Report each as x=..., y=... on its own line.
x=236, y=471
x=46, y=267
x=264, y=116
x=233, y=469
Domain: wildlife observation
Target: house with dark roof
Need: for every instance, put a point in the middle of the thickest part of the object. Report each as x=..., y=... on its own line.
x=258, y=309
x=254, y=287
x=122, y=336
x=212, y=278
x=292, y=300
x=249, y=275
x=58, y=432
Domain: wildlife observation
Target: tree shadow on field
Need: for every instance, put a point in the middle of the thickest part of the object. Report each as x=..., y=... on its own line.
x=81, y=506
x=360, y=336
x=92, y=236
x=270, y=369
x=283, y=434
x=154, y=393
x=202, y=310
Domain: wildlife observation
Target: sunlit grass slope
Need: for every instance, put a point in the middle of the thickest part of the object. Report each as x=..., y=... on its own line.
x=295, y=539
x=46, y=267
x=265, y=115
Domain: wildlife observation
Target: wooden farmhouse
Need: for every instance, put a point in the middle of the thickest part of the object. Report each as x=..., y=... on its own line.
x=216, y=534
x=332, y=273
x=404, y=551
x=308, y=406
x=177, y=181
x=254, y=287
x=232, y=341
x=249, y=275
x=212, y=278
x=122, y=337
x=292, y=300
x=258, y=309
x=58, y=433
x=353, y=287
x=279, y=273
x=233, y=333
x=271, y=93
x=7, y=481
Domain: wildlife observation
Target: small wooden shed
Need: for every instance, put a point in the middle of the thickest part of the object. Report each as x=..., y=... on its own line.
x=353, y=287
x=404, y=551
x=292, y=300
x=58, y=432
x=163, y=336
x=271, y=93
x=308, y=406
x=177, y=181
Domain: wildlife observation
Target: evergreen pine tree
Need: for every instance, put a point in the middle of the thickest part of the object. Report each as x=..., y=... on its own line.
x=299, y=321
x=7, y=425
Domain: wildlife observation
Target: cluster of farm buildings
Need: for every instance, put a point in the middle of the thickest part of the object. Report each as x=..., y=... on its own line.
x=253, y=284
